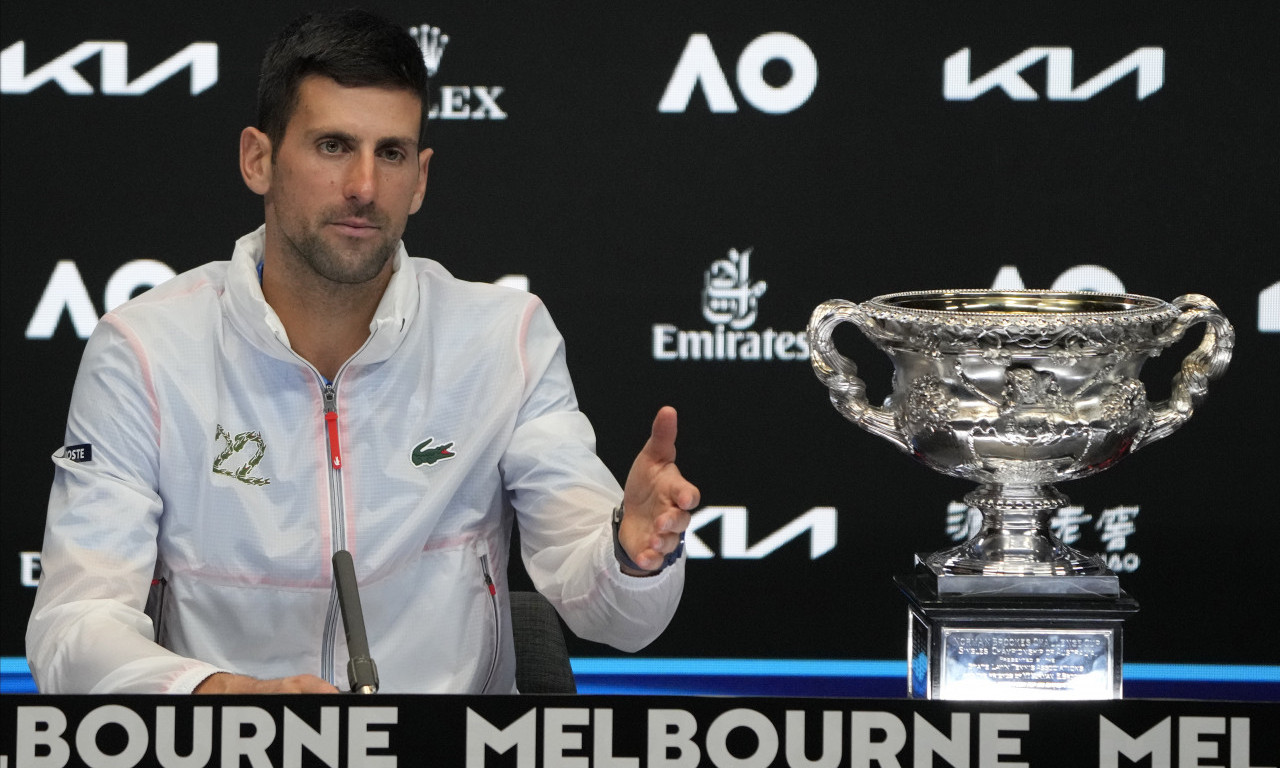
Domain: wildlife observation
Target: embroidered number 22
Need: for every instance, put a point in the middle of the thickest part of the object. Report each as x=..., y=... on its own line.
x=235, y=444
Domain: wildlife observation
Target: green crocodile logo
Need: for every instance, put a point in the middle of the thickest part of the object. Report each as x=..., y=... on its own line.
x=426, y=453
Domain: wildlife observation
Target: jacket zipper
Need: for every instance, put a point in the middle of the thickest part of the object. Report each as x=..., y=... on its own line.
x=493, y=604
x=337, y=515
x=337, y=523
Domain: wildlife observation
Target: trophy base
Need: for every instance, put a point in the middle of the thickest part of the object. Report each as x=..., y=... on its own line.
x=1008, y=642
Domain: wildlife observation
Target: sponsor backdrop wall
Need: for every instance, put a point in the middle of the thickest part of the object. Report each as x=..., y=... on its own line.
x=682, y=184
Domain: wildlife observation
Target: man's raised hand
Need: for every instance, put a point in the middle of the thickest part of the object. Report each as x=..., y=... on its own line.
x=657, y=498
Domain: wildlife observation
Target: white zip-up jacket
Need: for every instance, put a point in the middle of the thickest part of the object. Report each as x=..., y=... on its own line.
x=208, y=465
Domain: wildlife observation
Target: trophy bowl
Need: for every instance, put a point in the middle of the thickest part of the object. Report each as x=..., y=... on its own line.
x=1017, y=390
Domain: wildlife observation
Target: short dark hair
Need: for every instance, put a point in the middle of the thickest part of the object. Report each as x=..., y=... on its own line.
x=353, y=48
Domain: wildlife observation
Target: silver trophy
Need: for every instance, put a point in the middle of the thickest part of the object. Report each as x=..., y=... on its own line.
x=1017, y=390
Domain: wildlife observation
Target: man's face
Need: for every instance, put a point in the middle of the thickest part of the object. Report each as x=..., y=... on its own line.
x=345, y=178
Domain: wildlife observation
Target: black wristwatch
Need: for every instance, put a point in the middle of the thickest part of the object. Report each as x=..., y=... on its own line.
x=626, y=561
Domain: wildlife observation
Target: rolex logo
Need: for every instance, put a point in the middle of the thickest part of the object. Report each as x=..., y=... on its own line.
x=432, y=43
x=454, y=102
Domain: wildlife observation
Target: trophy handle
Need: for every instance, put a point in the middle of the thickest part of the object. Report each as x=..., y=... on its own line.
x=1205, y=363
x=840, y=374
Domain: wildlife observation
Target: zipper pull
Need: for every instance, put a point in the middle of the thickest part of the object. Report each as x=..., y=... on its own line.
x=488, y=580
x=331, y=426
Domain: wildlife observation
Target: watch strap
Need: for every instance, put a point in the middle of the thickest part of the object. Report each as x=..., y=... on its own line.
x=625, y=560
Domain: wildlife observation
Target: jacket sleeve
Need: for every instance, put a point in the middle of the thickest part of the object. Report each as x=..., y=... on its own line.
x=88, y=632
x=563, y=496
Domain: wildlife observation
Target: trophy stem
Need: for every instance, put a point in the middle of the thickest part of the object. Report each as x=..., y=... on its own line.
x=1016, y=538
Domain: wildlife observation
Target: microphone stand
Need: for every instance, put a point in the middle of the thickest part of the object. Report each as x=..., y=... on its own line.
x=362, y=673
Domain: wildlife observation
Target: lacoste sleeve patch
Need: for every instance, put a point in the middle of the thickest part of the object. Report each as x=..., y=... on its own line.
x=78, y=453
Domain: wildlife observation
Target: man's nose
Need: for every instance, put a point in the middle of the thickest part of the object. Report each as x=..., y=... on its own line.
x=361, y=183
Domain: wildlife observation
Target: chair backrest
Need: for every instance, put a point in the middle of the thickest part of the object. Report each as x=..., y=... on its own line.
x=542, y=658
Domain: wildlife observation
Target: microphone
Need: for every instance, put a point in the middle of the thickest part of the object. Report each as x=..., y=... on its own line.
x=362, y=673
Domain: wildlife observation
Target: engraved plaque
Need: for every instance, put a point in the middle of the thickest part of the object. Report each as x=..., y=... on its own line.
x=1031, y=664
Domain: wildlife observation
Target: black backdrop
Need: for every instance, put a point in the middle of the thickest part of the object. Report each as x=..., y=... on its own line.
x=554, y=162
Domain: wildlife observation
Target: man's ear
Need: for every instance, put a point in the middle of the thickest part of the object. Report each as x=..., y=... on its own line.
x=255, y=159
x=423, y=158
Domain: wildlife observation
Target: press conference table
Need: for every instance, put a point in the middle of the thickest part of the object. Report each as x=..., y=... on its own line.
x=382, y=730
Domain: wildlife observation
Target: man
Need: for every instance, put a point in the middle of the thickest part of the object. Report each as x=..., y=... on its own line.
x=234, y=427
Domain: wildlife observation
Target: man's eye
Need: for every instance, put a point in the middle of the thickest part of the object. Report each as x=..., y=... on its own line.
x=330, y=146
x=395, y=155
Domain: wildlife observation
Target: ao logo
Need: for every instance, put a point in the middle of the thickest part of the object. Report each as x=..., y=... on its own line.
x=1082, y=277
x=1091, y=277
x=66, y=294
x=699, y=64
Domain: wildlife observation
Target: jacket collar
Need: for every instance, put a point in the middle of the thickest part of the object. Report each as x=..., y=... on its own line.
x=253, y=317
